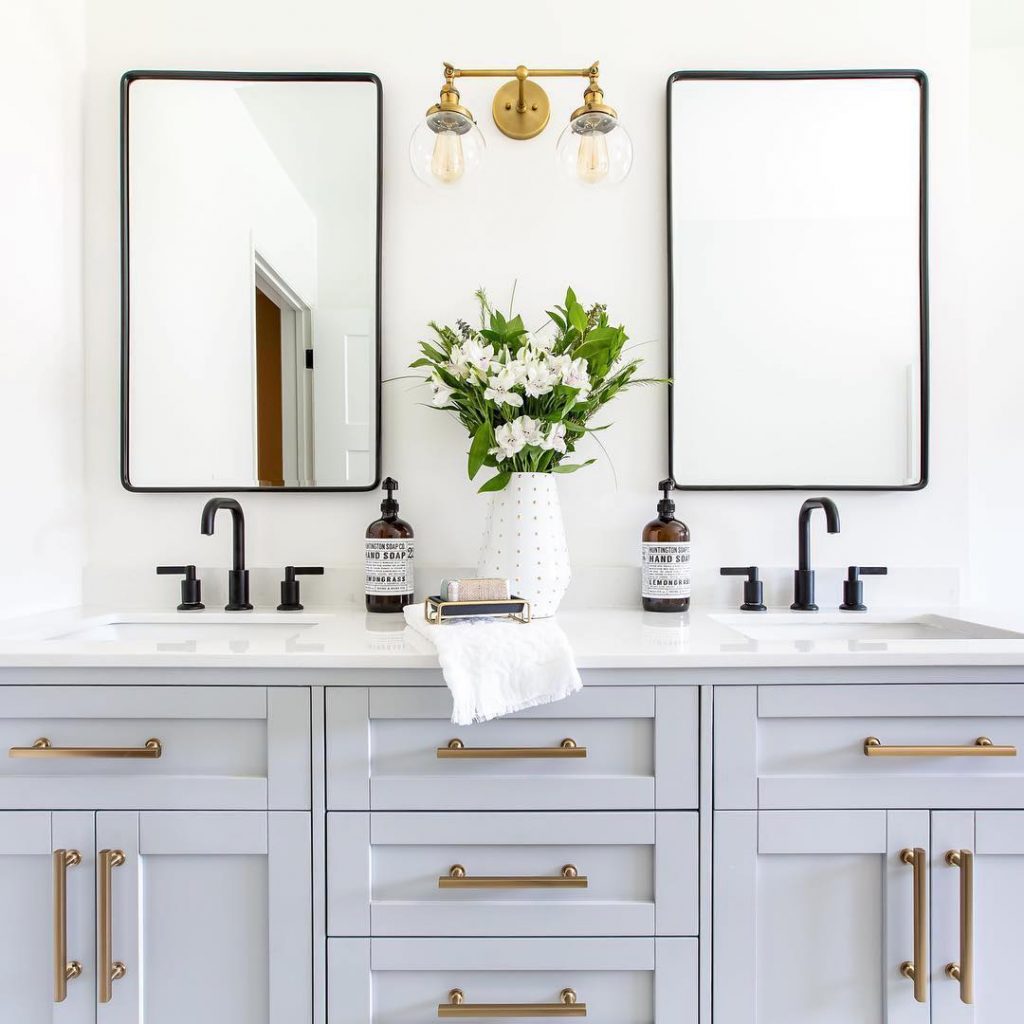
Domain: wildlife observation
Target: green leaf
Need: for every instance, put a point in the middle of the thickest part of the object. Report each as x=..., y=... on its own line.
x=496, y=483
x=565, y=468
x=557, y=320
x=432, y=353
x=570, y=298
x=479, y=448
x=421, y=362
x=603, y=334
x=578, y=317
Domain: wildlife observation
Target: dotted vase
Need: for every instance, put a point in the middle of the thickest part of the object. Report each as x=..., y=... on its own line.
x=524, y=542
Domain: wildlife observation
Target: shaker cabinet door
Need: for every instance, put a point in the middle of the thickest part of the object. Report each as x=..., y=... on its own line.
x=210, y=914
x=46, y=899
x=814, y=915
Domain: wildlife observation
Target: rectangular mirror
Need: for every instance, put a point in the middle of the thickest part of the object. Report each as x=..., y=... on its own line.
x=251, y=214
x=798, y=280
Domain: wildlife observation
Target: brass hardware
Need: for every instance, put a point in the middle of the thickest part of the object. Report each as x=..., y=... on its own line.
x=456, y=748
x=568, y=878
x=108, y=970
x=963, y=972
x=63, y=969
x=436, y=611
x=981, y=747
x=567, y=1006
x=917, y=969
x=44, y=748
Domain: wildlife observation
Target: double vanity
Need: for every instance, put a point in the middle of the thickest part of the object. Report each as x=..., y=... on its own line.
x=741, y=818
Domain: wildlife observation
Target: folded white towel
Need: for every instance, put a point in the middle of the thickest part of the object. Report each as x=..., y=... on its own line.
x=495, y=666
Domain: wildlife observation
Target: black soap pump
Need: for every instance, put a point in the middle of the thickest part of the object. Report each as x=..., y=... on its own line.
x=666, y=578
x=389, y=557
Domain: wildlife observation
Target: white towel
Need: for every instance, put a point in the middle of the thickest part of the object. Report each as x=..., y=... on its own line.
x=496, y=666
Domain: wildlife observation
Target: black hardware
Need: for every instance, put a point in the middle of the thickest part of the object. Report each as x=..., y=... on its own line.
x=309, y=359
x=127, y=79
x=853, y=589
x=238, y=575
x=290, y=585
x=753, y=589
x=922, y=248
x=191, y=588
x=803, y=578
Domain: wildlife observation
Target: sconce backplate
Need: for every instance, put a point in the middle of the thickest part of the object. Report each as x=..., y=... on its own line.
x=526, y=124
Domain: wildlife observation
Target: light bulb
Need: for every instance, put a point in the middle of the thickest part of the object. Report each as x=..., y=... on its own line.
x=448, y=162
x=592, y=161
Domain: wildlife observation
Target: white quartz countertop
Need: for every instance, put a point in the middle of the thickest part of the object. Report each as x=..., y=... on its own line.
x=349, y=638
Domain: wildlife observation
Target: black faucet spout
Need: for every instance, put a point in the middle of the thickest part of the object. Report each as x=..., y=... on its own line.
x=238, y=576
x=803, y=578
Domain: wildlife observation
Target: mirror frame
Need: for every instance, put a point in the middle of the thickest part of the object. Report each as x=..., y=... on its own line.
x=244, y=76
x=772, y=76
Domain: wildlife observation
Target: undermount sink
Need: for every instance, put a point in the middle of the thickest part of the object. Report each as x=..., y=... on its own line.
x=196, y=626
x=790, y=627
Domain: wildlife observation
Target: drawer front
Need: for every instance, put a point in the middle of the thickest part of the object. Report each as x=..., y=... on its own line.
x=814, y=746
x=409, y=981
x=244, y=748
x=616, y=747
x=391, y=874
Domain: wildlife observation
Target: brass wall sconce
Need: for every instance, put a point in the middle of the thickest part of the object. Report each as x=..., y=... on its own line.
x=593, y=147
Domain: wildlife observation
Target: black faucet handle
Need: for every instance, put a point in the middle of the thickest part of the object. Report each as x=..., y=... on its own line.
x=191, y=587
x=753, y=589
x=290, y=585
x=853, y=588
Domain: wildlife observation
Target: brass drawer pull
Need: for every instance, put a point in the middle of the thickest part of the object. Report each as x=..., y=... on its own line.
x=963, y=972
x=63, y=968
x=917, y=969
x=44, y=748
x=568, y=878
x=565, y=1007
x=108, y=969
x=456, y=748
x=981, y=747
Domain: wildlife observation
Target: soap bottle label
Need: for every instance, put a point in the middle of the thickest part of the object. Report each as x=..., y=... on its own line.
x=389, y=567
x=665, y=569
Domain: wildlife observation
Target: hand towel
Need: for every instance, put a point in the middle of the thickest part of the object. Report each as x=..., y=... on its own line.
x=494, y=667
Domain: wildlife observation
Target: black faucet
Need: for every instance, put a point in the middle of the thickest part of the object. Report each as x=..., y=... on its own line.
x=803, y=578
x=238, y=575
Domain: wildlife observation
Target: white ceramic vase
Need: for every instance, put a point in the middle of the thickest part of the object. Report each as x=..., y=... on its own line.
x=524, y=541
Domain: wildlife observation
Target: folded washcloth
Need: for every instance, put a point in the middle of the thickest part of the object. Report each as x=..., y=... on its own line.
x=495, y=666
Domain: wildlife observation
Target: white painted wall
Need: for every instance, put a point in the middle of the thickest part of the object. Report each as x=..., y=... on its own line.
x=41, y=481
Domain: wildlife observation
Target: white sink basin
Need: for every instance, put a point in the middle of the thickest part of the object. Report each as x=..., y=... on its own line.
x=793, y=627
x=200, y=627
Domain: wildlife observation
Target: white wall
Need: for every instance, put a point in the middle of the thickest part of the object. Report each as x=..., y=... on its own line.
x=523, y=222
x=41, y=478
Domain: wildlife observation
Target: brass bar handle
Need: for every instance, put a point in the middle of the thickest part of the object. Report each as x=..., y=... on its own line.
x=981, y=747
x=567, y=1006
x=108, y=970
x=44, y=748
x=457, y=749
x=63, y=968
x=963, y=972
x=917, y=969
x=568, y=878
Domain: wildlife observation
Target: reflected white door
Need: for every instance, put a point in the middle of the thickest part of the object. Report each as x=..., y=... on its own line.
x=211, y=916
x=30, y=908
x=813, y=916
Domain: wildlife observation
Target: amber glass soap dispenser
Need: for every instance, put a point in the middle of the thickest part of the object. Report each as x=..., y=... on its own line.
x=666, y=558
x=389, y=557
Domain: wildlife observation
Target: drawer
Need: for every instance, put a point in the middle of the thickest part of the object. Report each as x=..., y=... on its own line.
x=607, y=747
x=409, y=981
x=805, y=746
x=635, y=873
x=242, y=748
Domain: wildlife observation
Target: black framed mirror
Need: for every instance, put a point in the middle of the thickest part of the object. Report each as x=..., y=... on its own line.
x=798, y=280
x=251, y=279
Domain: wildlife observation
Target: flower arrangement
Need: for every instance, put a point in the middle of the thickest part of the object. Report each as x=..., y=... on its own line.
x=527, y=397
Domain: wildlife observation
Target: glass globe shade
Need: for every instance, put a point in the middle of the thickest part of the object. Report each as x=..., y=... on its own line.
x=594, y=149
x=444, y=147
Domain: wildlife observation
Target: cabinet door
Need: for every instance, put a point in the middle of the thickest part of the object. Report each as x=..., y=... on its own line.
x=37, y=894
x=990, y=897
x=211, y=917
x=814, y=914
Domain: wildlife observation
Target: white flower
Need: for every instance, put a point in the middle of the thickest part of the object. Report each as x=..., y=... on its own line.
x=457, y=365
x=442, y=393
x=509, y=441
x=554, y=440
x=478, y=356
x=575, y=375
x=529, y=429
x=560, y=364
x=499, y=387
x=538, y=342
x=541, y=378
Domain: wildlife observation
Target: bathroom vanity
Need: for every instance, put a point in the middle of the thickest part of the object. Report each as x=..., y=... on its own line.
x=271, y=818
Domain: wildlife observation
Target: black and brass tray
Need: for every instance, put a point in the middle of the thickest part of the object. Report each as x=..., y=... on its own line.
x=437, y=609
